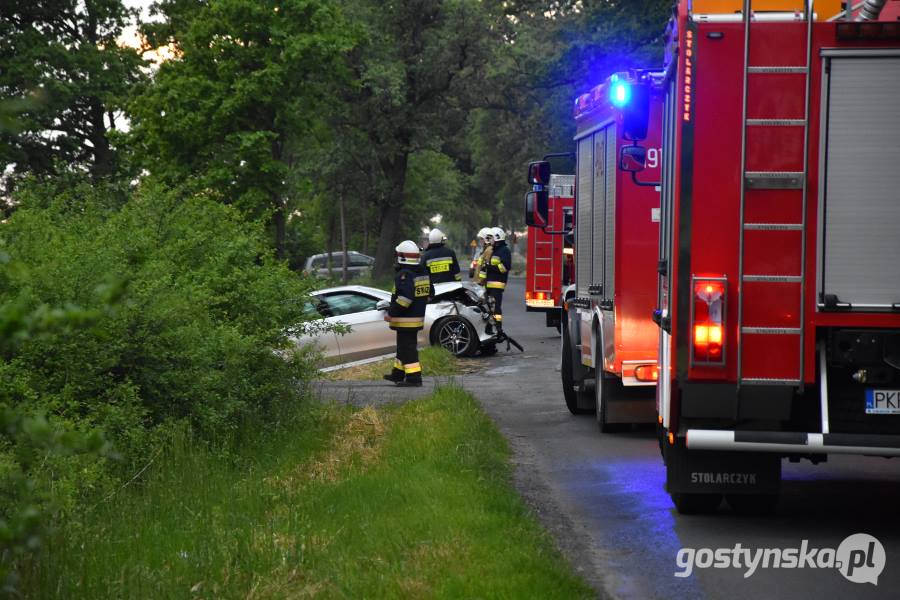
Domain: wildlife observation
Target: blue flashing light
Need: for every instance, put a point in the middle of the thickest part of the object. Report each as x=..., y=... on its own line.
x=619, y=93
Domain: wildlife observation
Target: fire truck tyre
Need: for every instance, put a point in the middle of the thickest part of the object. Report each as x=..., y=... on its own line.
x=694, y=504
x=570, y=393
x=753, y=504
x=456, y=335
x=604, y=391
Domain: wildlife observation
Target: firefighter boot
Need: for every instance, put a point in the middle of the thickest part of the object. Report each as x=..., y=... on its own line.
x=412, y=380
x=397, y=374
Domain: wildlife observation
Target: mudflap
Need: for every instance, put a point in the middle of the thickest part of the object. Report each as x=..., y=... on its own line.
x=717, y=472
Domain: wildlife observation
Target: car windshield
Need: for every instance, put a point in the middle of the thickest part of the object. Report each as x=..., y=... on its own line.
x=346, y=303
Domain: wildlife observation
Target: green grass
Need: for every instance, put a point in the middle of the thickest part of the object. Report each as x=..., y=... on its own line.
x=434, y=360
x=408, y=501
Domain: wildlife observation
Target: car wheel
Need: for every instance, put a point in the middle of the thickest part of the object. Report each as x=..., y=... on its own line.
x=456, y=335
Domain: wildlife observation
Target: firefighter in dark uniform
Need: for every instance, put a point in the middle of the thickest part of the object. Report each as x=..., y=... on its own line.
x=497, y=270
x=439, y=259
x=406, y=315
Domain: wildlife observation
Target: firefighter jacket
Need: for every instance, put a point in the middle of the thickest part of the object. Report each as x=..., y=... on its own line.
x=412, y=289
x=441, y=263
x=498, y=267
x=483, y=262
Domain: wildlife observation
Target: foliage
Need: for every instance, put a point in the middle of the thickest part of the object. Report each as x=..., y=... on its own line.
x=402, y=501
x=63, y=58
x=244, y=88
x=182, y=305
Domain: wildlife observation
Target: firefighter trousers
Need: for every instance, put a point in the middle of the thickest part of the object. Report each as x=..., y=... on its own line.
x=495, y=303
x=407, y=360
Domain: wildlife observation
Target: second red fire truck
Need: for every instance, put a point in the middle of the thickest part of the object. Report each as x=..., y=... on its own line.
x=609, y=342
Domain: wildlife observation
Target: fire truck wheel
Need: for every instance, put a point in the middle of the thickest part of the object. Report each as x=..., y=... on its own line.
x=753, y=504
x=456, y=335
x=604, y=391
x=570, y=392
x=694, y=504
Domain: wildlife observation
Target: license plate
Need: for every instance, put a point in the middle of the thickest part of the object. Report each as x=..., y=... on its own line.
x=882, y=402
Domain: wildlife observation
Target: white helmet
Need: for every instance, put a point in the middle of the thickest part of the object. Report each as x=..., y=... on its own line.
x=407, y=253
x=499, y=234
x=484, y=233
x=436, y=236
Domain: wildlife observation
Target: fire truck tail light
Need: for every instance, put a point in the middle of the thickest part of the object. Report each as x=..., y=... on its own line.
x=708, y=325
x=646, y=373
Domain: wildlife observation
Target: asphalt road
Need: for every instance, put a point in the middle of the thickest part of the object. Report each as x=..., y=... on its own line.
x=602, y=496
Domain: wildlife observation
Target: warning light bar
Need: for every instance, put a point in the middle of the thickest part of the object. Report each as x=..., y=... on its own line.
x=619, y=91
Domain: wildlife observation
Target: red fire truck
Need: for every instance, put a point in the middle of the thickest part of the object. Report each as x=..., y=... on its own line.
x=779, y=268
x=549, y=263
x=609, y=342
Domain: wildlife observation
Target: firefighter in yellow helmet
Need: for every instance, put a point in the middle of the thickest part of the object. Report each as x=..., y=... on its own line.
x=496, y=274
x=406, y=315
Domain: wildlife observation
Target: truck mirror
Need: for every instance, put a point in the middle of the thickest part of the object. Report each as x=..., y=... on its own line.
x=537, y=208
x=632, y=159
x=539, y=172
x=636, y=113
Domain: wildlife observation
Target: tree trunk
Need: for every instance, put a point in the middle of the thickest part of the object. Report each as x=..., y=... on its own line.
x=392, y=212
x=279, y=223
x=343, y=236
x=330, y=250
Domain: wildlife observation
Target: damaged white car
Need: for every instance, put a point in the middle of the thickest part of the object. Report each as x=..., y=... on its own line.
x=354, y=328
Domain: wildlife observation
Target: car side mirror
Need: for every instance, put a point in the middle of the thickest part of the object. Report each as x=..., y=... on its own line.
x=632, y=159
x=382, y=305
x=537, y=208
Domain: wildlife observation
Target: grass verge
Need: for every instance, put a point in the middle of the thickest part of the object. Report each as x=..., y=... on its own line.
x=434, y=360
x=407, y=501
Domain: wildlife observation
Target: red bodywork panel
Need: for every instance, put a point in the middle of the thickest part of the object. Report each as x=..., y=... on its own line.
x=636, y=247
x=544, y=262
x=708, y=152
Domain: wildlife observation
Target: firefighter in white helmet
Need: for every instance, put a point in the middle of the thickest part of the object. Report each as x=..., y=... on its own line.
x=496, y=274
x=406, y=315
x=486, y=252
x=439, y=259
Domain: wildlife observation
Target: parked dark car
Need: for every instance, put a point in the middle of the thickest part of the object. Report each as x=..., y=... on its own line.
x=357, y=264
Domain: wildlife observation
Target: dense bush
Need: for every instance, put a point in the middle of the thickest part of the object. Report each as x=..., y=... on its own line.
x=166, y=312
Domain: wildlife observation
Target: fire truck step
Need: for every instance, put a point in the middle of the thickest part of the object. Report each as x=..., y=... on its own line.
x=777, y=122
x=774, y=278
x=774, y=226
x=772, y=330
x=768, y=381
x=784, y=69
x=769, y=180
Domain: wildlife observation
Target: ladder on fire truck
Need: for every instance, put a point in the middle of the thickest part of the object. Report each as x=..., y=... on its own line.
x=782, y=293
